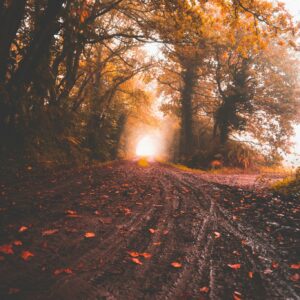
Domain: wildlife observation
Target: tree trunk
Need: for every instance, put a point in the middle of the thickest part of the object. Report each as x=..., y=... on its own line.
x=186, y=137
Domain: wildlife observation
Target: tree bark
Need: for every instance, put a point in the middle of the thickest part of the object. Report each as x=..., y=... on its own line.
x=186, y=137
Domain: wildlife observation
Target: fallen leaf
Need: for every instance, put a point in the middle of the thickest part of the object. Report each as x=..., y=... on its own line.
x=295, y=266
x=136, y=261
x=89, y=235
x=134, y=254
x=295, y=277
x=23, y=228
x=237, y=295
x=151, y=230
x=146, y=255
x=217, y=234
x=156, y=243
x=275, y=265
x=250, y=274
x=7, y=249
x=204, y=289
x=176, y=264
x=26, y=255
x=71, y=212
x=60, y=271
x=234, y=266
x=165, y=232
x=18, y=243
x=268, y=271
x=127, y=211
x=49, y=232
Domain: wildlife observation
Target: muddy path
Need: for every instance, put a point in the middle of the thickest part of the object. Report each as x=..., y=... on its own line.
x=155, y=232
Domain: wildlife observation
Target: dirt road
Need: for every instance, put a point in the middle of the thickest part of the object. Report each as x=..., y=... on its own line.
x=122, y=231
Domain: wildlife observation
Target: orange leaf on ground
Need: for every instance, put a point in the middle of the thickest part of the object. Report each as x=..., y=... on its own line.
x=151, y=230
x=275, y=265
x=89, y=235
x=23, y=228
x=250, y=274
x=295, y=266
x=234, y=266
x=7, y=249
x=60, y=271
x=146, y=255
x=156, y=243
x=49, y=232
x=217, y=234
x=237, y=296
x=136, y=261
x=295, y=277
x=18, y=243
x=204, y=289
x=26, y=255
x=176, y=264
x=134, y=254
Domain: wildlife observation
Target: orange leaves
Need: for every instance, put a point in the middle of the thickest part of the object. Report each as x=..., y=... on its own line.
x=217, y=234
x=151, y=230
x=134, y=256
x=23, y=228
x=89, y=235
x=136, y=261
x=295, y=277
x=295, y=266
x=250, y=274
x=61, y=271
x=7, y=249
x=26, y=255
x=146, y=255
x=17, y=243
x=237, y=295
x=176, y=264
x=49, y=232
x=204, y=289
x=234, y=266
x=71, y=213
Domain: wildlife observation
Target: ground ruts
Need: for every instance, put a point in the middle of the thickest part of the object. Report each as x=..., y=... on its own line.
x=202, y=225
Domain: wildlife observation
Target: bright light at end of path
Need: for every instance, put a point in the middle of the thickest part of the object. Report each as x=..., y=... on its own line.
x=146, y=147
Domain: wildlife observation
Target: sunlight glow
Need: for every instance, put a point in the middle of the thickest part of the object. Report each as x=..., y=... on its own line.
x=146, y=147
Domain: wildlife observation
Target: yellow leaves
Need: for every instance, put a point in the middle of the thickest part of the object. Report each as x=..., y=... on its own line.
x=176, y=264
x=26, y=255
